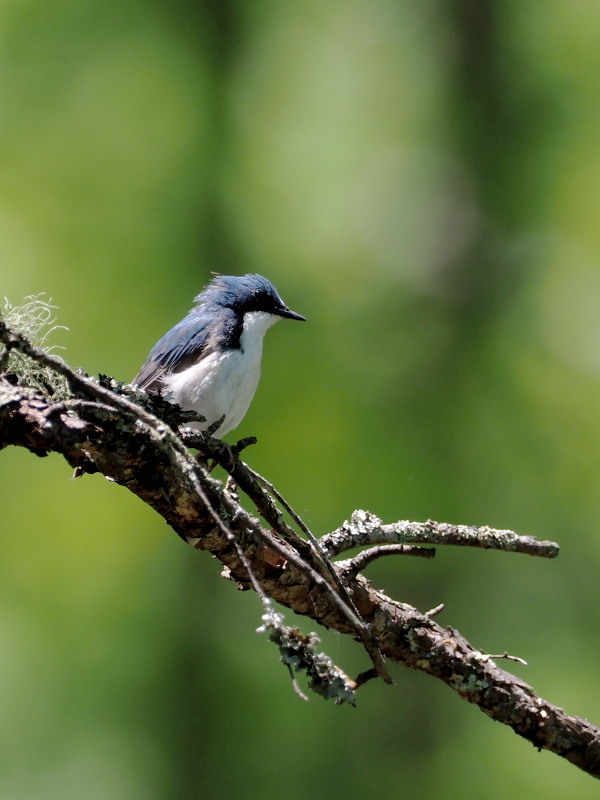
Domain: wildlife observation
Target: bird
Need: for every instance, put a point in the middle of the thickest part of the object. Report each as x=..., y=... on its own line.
x=210, y=361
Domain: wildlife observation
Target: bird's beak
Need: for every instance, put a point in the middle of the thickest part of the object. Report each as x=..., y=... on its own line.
x=289, y=314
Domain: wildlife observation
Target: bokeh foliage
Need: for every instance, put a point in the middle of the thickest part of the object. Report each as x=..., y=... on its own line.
x=420, y=180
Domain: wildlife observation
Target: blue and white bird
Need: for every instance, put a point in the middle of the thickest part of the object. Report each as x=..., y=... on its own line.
x=210, y=361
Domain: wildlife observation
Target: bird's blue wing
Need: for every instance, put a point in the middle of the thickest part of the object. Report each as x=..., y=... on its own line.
x=182, y=346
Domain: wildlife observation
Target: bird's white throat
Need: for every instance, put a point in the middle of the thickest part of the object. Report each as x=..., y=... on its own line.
x=223, y=383
x=256, y=324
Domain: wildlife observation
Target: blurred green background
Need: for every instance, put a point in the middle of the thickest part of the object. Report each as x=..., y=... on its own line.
x=421, y=181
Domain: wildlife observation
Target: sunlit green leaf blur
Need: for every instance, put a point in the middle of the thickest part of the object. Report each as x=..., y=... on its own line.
x=420, y=179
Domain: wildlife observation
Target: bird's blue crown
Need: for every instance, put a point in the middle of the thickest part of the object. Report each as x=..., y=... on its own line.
x=241, y=293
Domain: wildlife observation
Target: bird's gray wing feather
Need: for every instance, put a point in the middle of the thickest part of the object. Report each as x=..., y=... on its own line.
x=182, y=346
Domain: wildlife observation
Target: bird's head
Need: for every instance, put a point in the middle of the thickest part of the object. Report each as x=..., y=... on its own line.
x=246, y=294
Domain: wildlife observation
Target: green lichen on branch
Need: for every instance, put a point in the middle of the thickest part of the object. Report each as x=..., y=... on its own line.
x=34, y=319
x=298, y=652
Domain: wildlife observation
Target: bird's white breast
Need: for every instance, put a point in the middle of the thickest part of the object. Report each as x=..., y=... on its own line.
x=224, y=382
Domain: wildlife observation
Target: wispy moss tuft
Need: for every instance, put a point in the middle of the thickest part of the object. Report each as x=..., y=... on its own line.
x=34, y=318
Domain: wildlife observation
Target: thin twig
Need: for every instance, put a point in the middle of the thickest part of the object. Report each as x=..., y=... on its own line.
x=242, y=475
x=433, y=612
x=283, y=502
x=505, y=655
x=352, y=566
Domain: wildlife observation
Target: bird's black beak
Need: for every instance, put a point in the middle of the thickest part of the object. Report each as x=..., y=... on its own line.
x=289, y=314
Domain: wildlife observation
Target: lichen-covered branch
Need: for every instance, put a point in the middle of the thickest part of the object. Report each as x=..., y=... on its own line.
x=364, y=528
x=110, y=430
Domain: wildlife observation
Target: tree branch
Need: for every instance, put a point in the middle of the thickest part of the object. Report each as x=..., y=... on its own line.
x=364, y=528
x=106, y=431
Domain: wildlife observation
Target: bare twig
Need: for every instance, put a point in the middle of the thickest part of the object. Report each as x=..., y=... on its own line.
x=433, y=612
x=284, y=503
x=352, y=566
x=505, y=655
